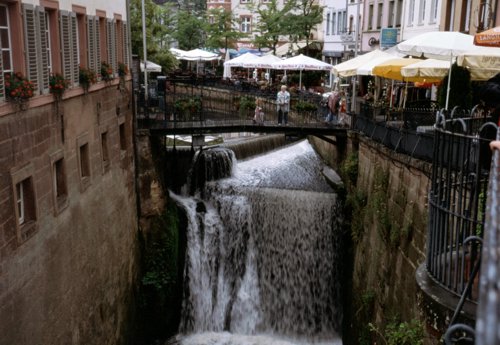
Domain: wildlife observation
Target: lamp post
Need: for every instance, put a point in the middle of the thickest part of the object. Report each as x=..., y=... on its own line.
x=356, y=40
x=145, y=55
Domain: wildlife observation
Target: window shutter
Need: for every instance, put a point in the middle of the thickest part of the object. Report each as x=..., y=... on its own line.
x=125, y=44
x=30, y=44
x=97, y=45
x=75, y=56
x=91, y=52
x=2, y=84
x=43, y=63
x=111, y=44
x=64, y=25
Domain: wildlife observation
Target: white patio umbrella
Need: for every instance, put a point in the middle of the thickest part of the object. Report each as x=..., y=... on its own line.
x=367, y=68
x=266, y=61
x=198, y=55
x=227, y=69
x=483, y=63
x=300, y=63
x=150, y=67
x=441, y=45
x=244, y=60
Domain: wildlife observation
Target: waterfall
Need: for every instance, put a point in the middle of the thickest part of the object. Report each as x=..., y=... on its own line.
x=261, y=259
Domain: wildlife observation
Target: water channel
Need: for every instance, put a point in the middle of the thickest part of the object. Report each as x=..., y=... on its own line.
x=262, y=261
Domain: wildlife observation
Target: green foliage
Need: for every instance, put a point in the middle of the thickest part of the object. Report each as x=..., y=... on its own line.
x=401, y=333
x=356, y=203
x=161, y=279
x=87, y=77
x=378, y=203
x=106, y=71
x=187, y=106
x=365, y=315
x=460, y=89
x=272, y=23
x=161, y=253
x=160, y=25
x=222, y=29
x=304, y=19
x=303, y=106
x=190, y=30
x=349, y=169
x=247, y=105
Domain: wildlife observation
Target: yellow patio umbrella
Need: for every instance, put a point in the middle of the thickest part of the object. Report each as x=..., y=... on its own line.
x=391, y=69
x=430, y=70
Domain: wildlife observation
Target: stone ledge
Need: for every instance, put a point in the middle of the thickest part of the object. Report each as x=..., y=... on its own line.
x=438, y=305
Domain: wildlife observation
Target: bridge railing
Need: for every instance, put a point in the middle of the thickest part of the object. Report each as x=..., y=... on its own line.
x=188, y=100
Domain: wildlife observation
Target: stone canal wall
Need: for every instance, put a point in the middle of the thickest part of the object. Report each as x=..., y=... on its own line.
x=387, y=201
x=69, y=259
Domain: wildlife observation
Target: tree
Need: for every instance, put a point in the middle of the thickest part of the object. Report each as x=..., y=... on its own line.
x=159, y=27
x=221, y=29
x=271, y=24
x=302, y=22
x=190, y=32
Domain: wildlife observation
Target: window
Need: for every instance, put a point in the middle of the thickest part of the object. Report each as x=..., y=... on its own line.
x=84, y=161
x=245, y=1
x=47, y=38
x=59, y=185
x=421, y=12
x=340, y=23
x=370, y=17
x=94, y=45
x=391, y=14
x=111, y=44
x=411, y=10
x=245, y=24
x=434, y=6
x=83, y=152
x=380, y=12
x=328, y=23
x=334, y=22
x=5, y=42
x=351, y=24
x=69, y=46
x=123, y=137
x=104, y=151
x=398, y=13
x=24, y=201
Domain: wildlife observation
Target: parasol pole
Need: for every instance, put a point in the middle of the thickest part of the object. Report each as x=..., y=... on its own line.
x=300, y=79
x=449, y=82
x=390, y=95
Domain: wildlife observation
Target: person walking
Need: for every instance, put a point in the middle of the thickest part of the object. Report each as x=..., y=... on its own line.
x=283, y=100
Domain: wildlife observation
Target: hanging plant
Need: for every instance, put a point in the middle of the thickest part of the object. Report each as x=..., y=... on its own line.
x=18, y=89
x=106, y=72
x=58, y=85
x=122, y=69
x=87, y=77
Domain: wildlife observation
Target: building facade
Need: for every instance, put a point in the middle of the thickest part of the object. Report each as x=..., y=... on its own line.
x=68, y=220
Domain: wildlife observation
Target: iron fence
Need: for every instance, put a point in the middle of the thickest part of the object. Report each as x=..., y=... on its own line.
x=457, y=199
x=199, y=100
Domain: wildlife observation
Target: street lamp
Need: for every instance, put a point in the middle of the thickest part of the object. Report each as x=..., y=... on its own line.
x=145, y=55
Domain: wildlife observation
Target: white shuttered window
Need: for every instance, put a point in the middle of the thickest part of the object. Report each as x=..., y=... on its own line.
x=69, y=46
x=94, y=50
x=35, y=40
x=111, y=44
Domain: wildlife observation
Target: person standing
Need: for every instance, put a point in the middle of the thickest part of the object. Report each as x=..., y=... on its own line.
x=283, y=100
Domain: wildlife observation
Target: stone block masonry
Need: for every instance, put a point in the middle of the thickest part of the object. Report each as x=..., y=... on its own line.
x=68, y=222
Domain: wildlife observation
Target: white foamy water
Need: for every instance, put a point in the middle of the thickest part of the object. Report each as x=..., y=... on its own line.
x=261, y=257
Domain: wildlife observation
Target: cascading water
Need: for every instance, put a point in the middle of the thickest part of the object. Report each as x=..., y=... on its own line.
x=261, y=262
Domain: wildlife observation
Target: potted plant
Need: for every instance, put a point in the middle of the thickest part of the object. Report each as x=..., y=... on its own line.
x=18, y=89
x=122, y=72
x=57, y=85
x=87, y=77
x=106, y=72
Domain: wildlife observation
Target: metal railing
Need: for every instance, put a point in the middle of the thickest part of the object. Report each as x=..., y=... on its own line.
x=457, y=200
x=198, y=100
